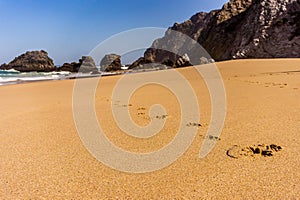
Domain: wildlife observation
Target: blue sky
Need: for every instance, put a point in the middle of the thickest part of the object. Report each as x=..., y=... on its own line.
x=69, y=29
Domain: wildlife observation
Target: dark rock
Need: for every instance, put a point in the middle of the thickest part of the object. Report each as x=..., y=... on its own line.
x=86, y=65
x=183, y=61
x=31, y=61
x=139, y=62
x=241, y=29
x=95, y=72
x=111, y=62
x=71, y=67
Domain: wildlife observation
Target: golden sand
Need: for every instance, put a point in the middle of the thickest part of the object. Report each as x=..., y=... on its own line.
x=42, y=156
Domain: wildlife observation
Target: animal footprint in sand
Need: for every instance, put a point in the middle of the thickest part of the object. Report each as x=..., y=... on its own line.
x=193, y=124
x=254, y=150
x=141, y=108
x=141, y=111
x=161, y=117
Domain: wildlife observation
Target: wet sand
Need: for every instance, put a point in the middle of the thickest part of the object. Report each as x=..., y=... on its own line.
x=42, y=156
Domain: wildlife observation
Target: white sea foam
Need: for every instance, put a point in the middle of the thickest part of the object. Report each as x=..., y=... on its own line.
x=11, y=71
x=7, y=80
x=57, y=73
x=27, y=77
x=15, y=77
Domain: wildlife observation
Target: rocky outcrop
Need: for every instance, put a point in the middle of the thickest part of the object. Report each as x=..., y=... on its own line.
x=40, y=62
x=86, y=65
x=241, y=29
x=71, y=67
x=139, y=62
x=175, y=61
x=111, y=62
x=31, y=61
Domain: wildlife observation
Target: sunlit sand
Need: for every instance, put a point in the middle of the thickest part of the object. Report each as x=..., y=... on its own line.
x=42, y=156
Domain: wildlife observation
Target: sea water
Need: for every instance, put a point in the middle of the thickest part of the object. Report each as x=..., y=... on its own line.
x=13, y=76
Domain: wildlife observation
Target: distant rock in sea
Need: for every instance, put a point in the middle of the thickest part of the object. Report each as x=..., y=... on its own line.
x=111, y=62
x=241, y=29
x=86, y=64
x=71, y=67
x=31, y=61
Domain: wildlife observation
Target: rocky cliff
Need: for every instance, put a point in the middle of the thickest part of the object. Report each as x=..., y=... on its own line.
x=31, y=61
x=241, y=29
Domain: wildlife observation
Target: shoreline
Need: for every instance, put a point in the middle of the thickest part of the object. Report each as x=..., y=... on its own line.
x=78, y=75
x=106, y=74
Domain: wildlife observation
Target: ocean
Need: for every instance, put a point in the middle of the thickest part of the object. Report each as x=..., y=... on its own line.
x=8, y=77
x=13, y=76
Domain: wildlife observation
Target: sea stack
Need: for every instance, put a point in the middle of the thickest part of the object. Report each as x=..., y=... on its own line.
x=31, y=61
x=111, y=62
x=86, y=65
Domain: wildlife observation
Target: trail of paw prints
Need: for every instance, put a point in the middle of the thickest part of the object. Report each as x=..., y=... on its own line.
x=211, y=137
x=268, y=84
x=196, y=124
x=272, y=84
x=141, y=112
x=161, y=116
x=284, y=72
x=253, y=151
x=104, y=99
x=261, y=83
x=207, y=137
x=193, y=124
x=119, y=104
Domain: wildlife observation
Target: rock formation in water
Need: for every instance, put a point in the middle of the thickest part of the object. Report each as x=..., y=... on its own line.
x=31, y=61
x=86, y=64
x=111, y=62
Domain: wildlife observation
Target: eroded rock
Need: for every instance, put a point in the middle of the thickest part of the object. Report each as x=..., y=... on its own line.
x=241, y=29
x=31, y=61
x=111, y=62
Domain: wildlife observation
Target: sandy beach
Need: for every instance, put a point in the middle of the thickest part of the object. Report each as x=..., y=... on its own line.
x=42, y=156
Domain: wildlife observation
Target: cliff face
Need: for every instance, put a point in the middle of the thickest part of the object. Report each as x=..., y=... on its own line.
x=241, y=29
x=266, y=29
